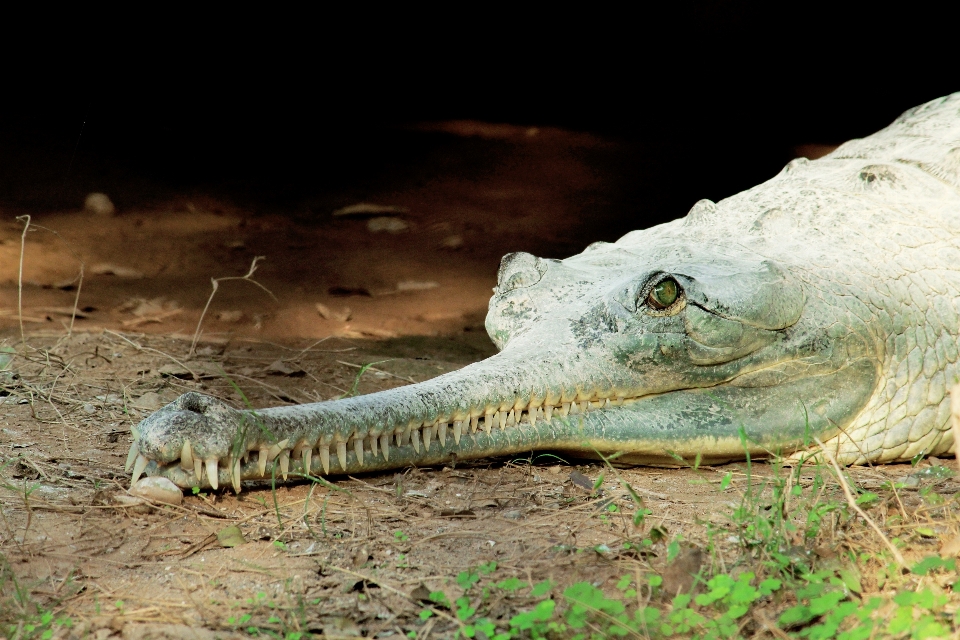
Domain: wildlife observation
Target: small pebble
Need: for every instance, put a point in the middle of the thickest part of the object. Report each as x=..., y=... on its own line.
x=89, y=408
x=158, y=489
x=99, y=204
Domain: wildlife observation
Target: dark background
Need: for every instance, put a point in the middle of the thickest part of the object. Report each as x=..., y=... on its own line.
x=707, y=101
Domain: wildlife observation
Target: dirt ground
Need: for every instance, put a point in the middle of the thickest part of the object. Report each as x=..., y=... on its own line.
x=109, y=307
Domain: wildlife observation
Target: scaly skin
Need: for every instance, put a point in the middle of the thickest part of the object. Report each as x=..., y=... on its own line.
x=820, y=304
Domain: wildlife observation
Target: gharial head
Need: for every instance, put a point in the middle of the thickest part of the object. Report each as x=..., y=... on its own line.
x=688, y=335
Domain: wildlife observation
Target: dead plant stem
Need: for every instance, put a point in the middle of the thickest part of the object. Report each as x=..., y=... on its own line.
x=853, y=504
x=23, y=242
x=216, y=285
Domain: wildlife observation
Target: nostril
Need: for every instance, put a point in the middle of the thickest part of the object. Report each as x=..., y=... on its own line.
x=519, y=270
x=192, y=401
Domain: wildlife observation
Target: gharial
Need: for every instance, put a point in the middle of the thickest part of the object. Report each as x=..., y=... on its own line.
x=823, y=303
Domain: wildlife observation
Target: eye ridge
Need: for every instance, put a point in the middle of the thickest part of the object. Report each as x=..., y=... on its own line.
x=664, y=294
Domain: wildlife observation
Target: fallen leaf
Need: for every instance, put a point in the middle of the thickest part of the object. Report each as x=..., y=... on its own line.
x=329, y=314
x=679, y=576
x=150, y=401
x=230, y=316
x=950, y=548
x=201, y=369
x=421, y=594
x=108, y=269
x=230, y=536
x=452, y=242
x=367, y=209
x=581, y=481
x=416, y=285
x=390, y=225
x=342, y=292
x=281, y=368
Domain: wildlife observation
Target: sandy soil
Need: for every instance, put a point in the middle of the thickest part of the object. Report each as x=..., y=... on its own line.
x=408, y=287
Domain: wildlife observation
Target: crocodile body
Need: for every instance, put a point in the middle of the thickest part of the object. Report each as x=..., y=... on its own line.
x=822, y=305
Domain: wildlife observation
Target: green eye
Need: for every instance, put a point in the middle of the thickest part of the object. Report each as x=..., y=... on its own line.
x=664, y=294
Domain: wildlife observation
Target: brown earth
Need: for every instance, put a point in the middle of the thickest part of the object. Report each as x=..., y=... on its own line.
x=358, y=555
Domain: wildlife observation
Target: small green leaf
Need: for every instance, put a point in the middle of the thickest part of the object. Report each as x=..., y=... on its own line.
x=930, y=563
x=598, y=483
x=541, y=588
x=673, y=550
x=490, y=567
x=727, y=479
x=512, y=584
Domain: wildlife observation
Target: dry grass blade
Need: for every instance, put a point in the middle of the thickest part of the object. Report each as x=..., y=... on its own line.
x=853, y=504
x=23, y=242
x=216, y=285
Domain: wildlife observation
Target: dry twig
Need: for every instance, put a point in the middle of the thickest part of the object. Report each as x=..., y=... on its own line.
x=853, y=504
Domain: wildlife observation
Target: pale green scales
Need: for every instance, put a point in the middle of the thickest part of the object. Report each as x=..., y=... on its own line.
x=822, y=303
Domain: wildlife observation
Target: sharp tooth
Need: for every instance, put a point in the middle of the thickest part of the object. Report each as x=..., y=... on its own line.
x=198, y=468
x=564, y=409
x=285, y=463
x=358, y=449
x=584, y=406
x=324, y=450
x=131, y=457
x=235, y=475
x=245, y=457
x=548, y=413
x=606, y=403
x=457, y=430
x=502, y=419
x=533, y=417
x=574, y=408
x=212, y=476
x=474, y=422
x=442, y=434
x=488, y=423
x=385, y=446
x=186, y=456
x=262, y=461
x=342, y=454
x=415, y=439
x=427, y=435
x=306, y=454
x=275, y=450
x=512, y=418
x=373, y=446
x=138, y=467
